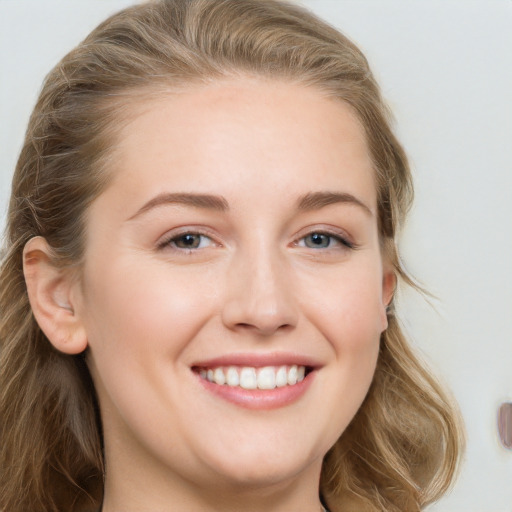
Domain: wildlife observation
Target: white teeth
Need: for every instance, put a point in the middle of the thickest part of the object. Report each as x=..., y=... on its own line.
x=218, y=376
x=248, y=378
x=292, y=375
x=281, y=377
x=268, y=377
x=232, y=377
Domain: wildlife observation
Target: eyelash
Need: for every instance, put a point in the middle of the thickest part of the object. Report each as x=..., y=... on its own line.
x=171, y=240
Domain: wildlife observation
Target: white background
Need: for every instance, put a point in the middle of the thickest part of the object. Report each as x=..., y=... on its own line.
x=446, y=69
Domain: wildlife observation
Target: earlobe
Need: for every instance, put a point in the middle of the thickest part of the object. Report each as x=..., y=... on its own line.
x=50, y=290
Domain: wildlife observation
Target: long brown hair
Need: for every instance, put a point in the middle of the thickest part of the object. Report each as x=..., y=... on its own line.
x=402, y=448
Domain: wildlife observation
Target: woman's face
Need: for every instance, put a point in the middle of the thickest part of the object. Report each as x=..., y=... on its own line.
x=233, y=290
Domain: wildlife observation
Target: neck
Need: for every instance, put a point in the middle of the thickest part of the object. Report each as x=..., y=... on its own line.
x=145, y=491
x=277, y=498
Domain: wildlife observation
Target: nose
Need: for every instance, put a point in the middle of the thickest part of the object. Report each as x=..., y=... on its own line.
x=260, y=296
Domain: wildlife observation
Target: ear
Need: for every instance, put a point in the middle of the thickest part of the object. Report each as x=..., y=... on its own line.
x=388, y=291
x=51, y=292
x=388, y=285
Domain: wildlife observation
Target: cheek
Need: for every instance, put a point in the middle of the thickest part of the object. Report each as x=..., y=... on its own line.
x=146, y=312
x=348, y=308
x=140, y=320
x=348, y=312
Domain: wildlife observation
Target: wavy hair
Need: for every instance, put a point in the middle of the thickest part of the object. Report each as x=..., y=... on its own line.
x=402, y=448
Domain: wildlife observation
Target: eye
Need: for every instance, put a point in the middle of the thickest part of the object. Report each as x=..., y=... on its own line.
x=321, y=240
x=186, y=241
x=317, y=240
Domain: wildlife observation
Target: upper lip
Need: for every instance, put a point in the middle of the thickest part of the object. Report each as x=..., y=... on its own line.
x=258, y=360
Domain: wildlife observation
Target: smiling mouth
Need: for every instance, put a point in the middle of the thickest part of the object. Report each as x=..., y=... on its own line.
x=254, y=378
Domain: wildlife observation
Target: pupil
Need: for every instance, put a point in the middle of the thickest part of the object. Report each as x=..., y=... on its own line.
x=189, y=240
x=318, y=240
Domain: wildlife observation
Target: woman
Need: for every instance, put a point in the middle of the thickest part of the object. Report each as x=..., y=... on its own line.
x=197, y=292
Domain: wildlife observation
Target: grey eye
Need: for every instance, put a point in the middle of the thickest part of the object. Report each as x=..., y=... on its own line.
x=317, y=240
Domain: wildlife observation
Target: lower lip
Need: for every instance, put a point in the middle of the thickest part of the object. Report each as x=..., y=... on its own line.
x=260, y=398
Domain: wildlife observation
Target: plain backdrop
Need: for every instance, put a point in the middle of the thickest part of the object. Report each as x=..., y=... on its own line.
x=445, y=67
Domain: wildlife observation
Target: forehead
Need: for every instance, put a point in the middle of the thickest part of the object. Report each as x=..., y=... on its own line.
x=262, y=134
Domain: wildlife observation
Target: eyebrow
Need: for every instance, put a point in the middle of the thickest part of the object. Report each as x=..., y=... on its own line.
x=308, y=202
x=318, y=200
x=207, y=201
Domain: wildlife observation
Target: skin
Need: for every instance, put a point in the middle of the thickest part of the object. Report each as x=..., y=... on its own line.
x=148, y=309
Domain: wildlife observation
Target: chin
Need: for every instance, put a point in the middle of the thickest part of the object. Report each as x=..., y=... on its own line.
x=256, y=470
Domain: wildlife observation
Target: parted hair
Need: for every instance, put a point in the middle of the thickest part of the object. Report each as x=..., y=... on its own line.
x=402, y=448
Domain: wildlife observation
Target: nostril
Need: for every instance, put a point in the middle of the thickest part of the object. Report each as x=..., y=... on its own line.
x=263, y=327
